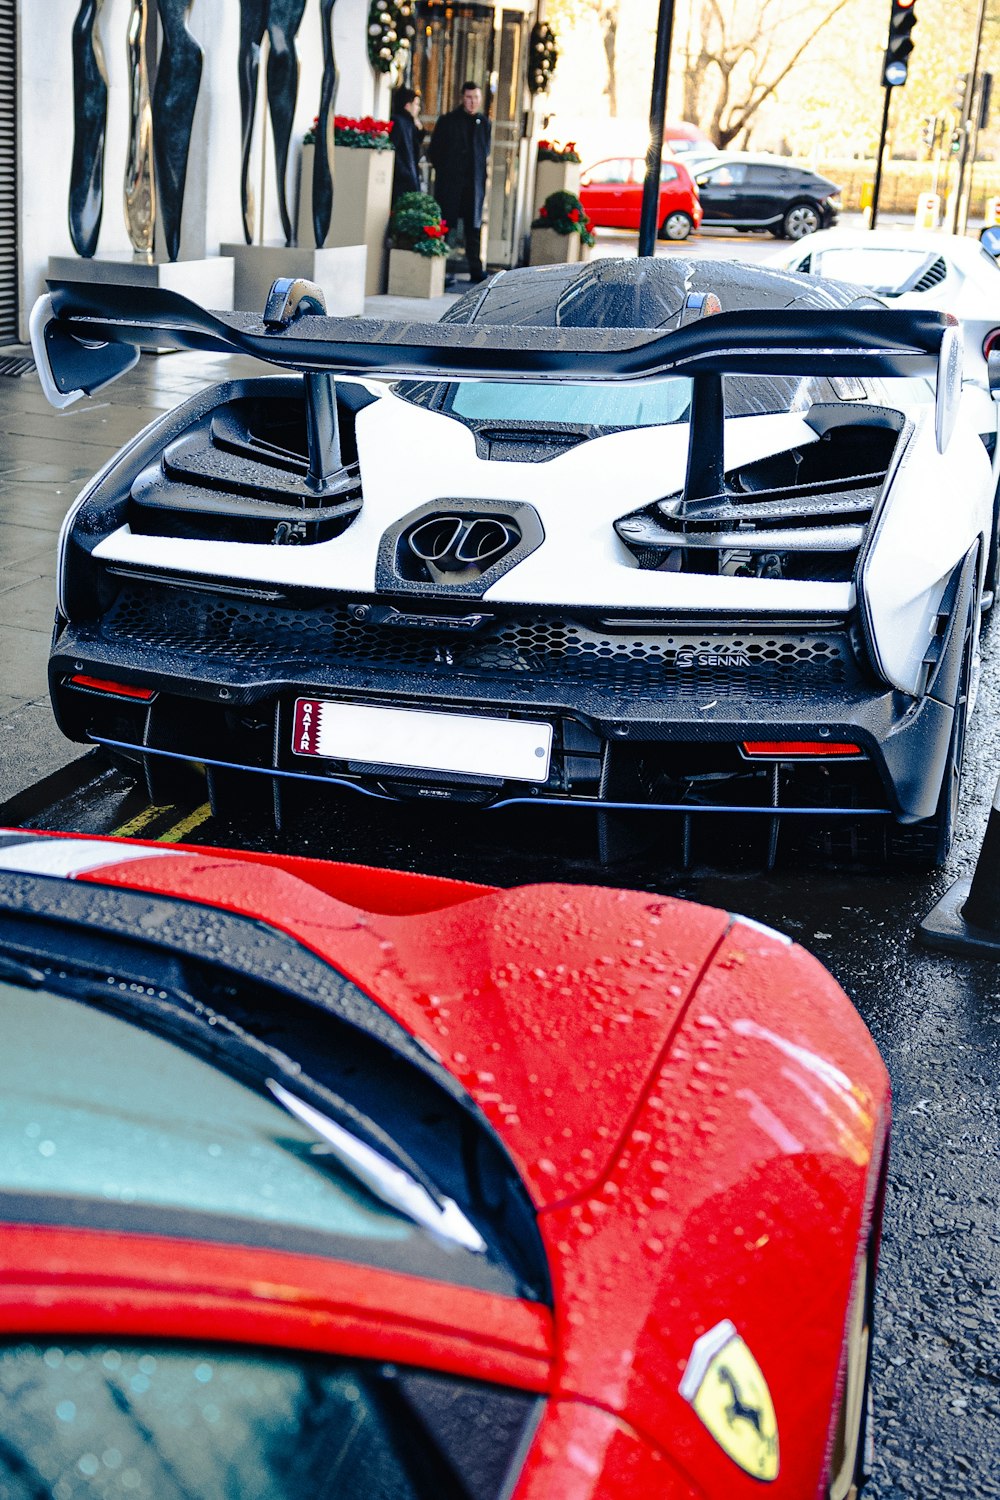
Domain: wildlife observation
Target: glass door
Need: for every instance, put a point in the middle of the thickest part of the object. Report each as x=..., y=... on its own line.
x=453, y=43
x=508, y=131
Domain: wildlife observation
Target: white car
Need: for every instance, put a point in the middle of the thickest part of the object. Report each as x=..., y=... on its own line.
x=923, y=269
x=581, y=545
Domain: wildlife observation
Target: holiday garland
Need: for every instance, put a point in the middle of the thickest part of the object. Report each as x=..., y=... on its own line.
x=390, y=31
x=543, y=54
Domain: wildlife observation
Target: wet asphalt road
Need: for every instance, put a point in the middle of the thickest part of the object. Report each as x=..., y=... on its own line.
x=936, y=1020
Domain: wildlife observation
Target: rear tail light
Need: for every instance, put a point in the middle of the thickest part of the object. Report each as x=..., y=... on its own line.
x=991, y=343
x=116, y=689
x=797, y=749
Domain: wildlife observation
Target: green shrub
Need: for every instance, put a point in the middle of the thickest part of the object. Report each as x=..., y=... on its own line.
x=416, y=224
x=564, y=213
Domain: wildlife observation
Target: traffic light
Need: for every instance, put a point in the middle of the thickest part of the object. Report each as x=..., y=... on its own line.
x=985, y=98
x=961, y=89
x=902, y=19
x=928, y=131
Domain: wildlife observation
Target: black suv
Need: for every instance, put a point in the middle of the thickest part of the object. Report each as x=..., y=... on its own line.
x=765, y=192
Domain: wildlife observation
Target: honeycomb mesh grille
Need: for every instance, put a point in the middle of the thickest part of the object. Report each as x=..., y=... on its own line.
x=252, y=633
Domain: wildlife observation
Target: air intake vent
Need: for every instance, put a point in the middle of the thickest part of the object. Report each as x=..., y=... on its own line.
x=933, y=276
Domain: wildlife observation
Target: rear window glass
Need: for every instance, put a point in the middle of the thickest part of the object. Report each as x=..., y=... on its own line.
x=652, y=403
x=886, y=268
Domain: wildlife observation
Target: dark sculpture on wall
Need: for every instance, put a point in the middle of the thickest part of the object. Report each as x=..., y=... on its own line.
x=178, y=79
x=90, y=116
x=322, y=200
x=281, y=20
x=140, y=191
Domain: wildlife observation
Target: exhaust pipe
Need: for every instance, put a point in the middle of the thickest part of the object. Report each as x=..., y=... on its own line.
x=454, y=549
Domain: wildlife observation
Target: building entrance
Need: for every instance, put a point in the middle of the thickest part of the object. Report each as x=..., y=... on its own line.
x=459, y=42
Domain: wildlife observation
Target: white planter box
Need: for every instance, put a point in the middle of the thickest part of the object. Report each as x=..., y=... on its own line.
x=413, y=275
x=362, y=198
x=550, y=249
x=555, y=177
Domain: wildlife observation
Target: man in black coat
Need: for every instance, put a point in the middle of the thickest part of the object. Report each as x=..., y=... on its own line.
x=459, y=151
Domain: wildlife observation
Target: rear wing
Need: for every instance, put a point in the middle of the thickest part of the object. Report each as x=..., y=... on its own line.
x=84, y=337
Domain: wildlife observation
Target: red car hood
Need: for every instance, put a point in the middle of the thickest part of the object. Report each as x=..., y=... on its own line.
x=553, y=1005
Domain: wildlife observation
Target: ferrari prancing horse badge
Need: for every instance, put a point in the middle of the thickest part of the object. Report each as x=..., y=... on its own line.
x=724, y=1384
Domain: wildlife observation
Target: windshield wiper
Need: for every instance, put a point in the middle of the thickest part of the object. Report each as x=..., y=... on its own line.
x=388, y=1182
x=361, y=1146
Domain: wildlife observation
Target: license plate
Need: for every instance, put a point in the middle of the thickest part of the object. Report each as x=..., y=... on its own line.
x=466, y=745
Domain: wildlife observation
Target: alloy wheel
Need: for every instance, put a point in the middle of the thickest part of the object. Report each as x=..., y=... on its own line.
x=800, y=220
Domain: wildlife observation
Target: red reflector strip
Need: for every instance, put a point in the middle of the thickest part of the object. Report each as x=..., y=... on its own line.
x=799, y=747
x=120, y=689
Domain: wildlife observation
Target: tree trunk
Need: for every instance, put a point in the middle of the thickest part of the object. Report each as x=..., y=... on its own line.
x=609, y=28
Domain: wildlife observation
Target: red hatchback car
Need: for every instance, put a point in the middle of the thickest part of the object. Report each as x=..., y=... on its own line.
x=611, y=193
x=317, y=1180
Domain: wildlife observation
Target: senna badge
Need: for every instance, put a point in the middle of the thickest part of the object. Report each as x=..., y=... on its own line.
x=724, y=1384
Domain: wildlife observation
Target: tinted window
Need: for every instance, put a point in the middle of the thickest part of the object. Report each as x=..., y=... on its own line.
x=767, y=176
x=171, y=1421
x=606, y=172
x=727, y=176
x=668, y=172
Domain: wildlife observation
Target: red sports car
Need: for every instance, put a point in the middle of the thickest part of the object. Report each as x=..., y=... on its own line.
x=611, y=193
x=321, y=1180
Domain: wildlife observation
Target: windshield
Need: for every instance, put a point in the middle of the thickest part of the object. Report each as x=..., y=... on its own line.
x=102, y=1115
x=649, y=403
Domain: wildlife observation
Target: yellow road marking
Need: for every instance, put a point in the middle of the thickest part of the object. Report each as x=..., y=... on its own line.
x=141, y=820
x=186, y=825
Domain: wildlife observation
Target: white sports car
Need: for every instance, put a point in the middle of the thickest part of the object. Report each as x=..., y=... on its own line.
x=690, y=538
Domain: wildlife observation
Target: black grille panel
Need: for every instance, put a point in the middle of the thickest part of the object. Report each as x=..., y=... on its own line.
x=932, y=276
x=256, y=633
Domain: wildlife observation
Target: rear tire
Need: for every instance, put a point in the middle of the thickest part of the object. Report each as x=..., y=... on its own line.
x=676, y=226
x=801, y=219
x=991, y=583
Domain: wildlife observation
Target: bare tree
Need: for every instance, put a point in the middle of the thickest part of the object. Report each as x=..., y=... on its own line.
x=567, y=15
x=739, y=52
x=608, y=12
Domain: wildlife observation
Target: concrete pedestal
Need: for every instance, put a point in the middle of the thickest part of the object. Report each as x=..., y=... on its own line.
x=362, y=199
x=549, y=248
x=339, y=271
x=413, y=275
x=208, y=282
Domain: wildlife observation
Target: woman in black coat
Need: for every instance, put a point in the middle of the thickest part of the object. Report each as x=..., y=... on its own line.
x=407, y=138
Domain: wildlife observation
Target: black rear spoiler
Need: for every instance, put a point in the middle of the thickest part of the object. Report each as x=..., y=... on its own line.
x=86, y=336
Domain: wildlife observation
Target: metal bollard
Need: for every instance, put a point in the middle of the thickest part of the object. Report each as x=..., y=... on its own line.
x=928, y=211
x=967, y=918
